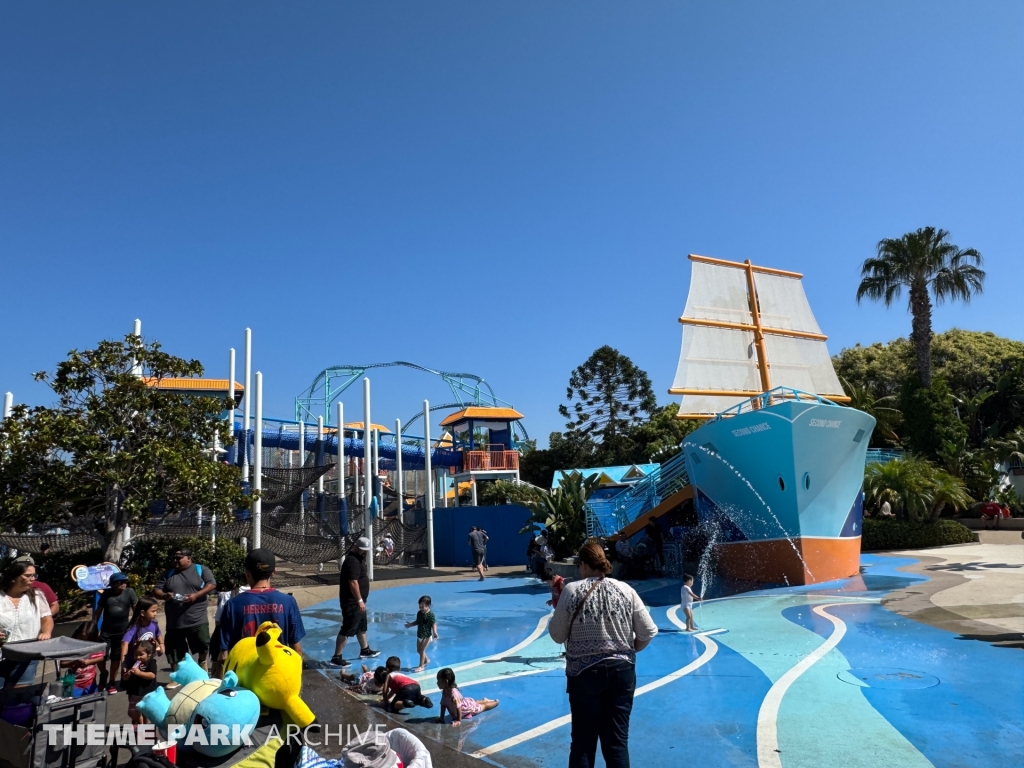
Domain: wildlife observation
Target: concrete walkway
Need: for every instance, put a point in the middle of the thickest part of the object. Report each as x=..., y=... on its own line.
x=975, y=590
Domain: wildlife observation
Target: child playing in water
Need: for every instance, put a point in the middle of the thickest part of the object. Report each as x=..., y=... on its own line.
x=366, y=682
x=400, y=692
x=426, y=630
x=686, y=598
x=460, y=707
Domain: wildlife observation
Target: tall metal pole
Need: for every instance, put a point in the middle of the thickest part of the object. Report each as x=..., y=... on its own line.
x=378, y=491
x=398, y=470
x=137, y=332
x=342, y=505
x=257, y=460
x=429, y=496
x=302, y=463
x=367, y=479
x=248, y=404
x=8, y=404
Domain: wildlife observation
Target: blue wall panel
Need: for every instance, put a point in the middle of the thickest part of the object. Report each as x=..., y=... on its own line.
x=506, y=545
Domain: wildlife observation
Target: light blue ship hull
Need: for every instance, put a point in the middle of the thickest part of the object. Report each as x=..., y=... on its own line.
x=784, y=485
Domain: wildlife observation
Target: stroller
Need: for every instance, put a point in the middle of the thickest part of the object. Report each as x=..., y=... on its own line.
x=24, y=710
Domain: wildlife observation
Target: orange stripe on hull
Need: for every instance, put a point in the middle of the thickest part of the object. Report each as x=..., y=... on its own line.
x=777, y=562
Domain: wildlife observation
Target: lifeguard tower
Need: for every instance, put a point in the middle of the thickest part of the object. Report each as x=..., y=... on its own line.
x=485, y=438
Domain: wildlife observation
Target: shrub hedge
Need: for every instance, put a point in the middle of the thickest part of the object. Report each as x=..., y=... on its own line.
x=901, y=534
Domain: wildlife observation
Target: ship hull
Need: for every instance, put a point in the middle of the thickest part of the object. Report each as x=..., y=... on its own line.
x=780, y=491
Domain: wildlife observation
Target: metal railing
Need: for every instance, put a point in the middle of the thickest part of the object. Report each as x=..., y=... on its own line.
x=771, y=397
x=881, y=456
x=478, y=461
x=607, y=516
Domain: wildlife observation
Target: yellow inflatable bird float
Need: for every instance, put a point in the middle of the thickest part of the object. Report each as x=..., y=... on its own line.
x=272, y=671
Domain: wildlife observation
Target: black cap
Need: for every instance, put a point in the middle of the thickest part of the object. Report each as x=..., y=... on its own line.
x=184, y=551
x=260, y=562
x=117, y=577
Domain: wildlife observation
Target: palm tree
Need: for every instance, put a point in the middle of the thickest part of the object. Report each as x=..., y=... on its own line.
x=887, y=418
x=928, y=266
x=917, y=490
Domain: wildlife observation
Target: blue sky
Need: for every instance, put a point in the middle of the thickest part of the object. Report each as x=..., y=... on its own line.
x=489, y=187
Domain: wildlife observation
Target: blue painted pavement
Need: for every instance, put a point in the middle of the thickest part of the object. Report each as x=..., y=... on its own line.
x=765, y=682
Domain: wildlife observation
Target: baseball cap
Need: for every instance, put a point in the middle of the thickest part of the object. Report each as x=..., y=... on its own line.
x=25, y=559
x=117, y=578
x=260, y=562
x=363, y=543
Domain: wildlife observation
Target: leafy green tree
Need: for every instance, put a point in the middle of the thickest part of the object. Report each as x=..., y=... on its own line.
x=973, y=467
x=887, y=416
x=1008, y=448
x=658, y=438
x=929, y=417
x=507, y=492
x=916, y=489
x=111, y=445
x=927, y=265
x=608, y=395
x=561, y=514
x=570, y=450
x=970, y=362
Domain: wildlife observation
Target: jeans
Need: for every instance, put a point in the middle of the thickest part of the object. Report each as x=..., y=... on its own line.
x=601, y=700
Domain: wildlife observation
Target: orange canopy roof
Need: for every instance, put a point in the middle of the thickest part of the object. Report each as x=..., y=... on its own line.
x=480, y=412
x=360, y=424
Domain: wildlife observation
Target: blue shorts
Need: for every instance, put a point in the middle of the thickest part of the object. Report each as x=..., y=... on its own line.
x=17, y=672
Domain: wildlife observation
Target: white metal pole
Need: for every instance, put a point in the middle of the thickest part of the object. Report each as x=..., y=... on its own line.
x=376, y=473
x=248, y=403
x=320, y=439
x=257, y=460
x=302, y=463
x=341, y=480
x=137, y=332
x=429, y=496
x=8, y=404
x=398, y=470
x=367, y=479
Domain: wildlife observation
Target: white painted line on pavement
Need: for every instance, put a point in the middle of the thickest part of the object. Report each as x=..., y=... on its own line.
x=768, y=755
x=710, y=649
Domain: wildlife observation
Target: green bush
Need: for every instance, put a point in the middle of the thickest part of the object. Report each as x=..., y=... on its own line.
x=149, y=559
x=902, y=534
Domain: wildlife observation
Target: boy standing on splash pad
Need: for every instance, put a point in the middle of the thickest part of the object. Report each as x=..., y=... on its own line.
x=686, y=598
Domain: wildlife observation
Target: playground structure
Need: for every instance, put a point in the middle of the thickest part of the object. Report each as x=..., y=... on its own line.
x=321, y=485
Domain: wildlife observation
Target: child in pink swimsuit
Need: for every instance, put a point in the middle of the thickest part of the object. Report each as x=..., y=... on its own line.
x=460, y=707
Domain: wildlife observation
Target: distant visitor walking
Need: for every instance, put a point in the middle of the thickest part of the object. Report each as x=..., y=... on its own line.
x=352, y=594
x=478, y=541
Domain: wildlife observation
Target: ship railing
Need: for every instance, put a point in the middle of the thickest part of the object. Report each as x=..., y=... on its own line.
x=619, y=511
x=772, y=397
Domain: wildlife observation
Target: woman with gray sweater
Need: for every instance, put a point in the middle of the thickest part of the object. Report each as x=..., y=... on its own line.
x=604, y=624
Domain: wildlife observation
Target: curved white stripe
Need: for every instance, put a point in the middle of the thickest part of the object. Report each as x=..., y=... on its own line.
x=768, y=755
x=498, y=678
x=537, y=632
x=710, y=649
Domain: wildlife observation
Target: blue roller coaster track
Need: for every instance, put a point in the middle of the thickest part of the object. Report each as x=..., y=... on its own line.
x=467, y=388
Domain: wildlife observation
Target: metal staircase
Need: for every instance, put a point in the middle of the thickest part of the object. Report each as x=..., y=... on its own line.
x=607, y=516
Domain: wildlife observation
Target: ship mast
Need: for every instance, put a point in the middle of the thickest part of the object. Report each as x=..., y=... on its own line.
x=755, y=326
x=755, y=313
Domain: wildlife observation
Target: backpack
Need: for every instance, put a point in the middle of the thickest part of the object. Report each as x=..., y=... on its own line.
x=199, y=570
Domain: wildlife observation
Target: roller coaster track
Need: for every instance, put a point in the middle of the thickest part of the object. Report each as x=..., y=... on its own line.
x=327, y=387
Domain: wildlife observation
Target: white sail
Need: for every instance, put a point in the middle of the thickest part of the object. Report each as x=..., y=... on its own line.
x=802, y=364
x=725, y=359
x=716, y=358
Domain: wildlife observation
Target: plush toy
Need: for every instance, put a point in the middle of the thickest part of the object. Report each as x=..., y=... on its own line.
x=165, y=712
x=272, y=671
x=219, y=712
x=209, y=704
x=188, y=671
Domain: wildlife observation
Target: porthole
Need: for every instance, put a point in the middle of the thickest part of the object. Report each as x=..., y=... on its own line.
x=807, y=481
x=782, y=483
